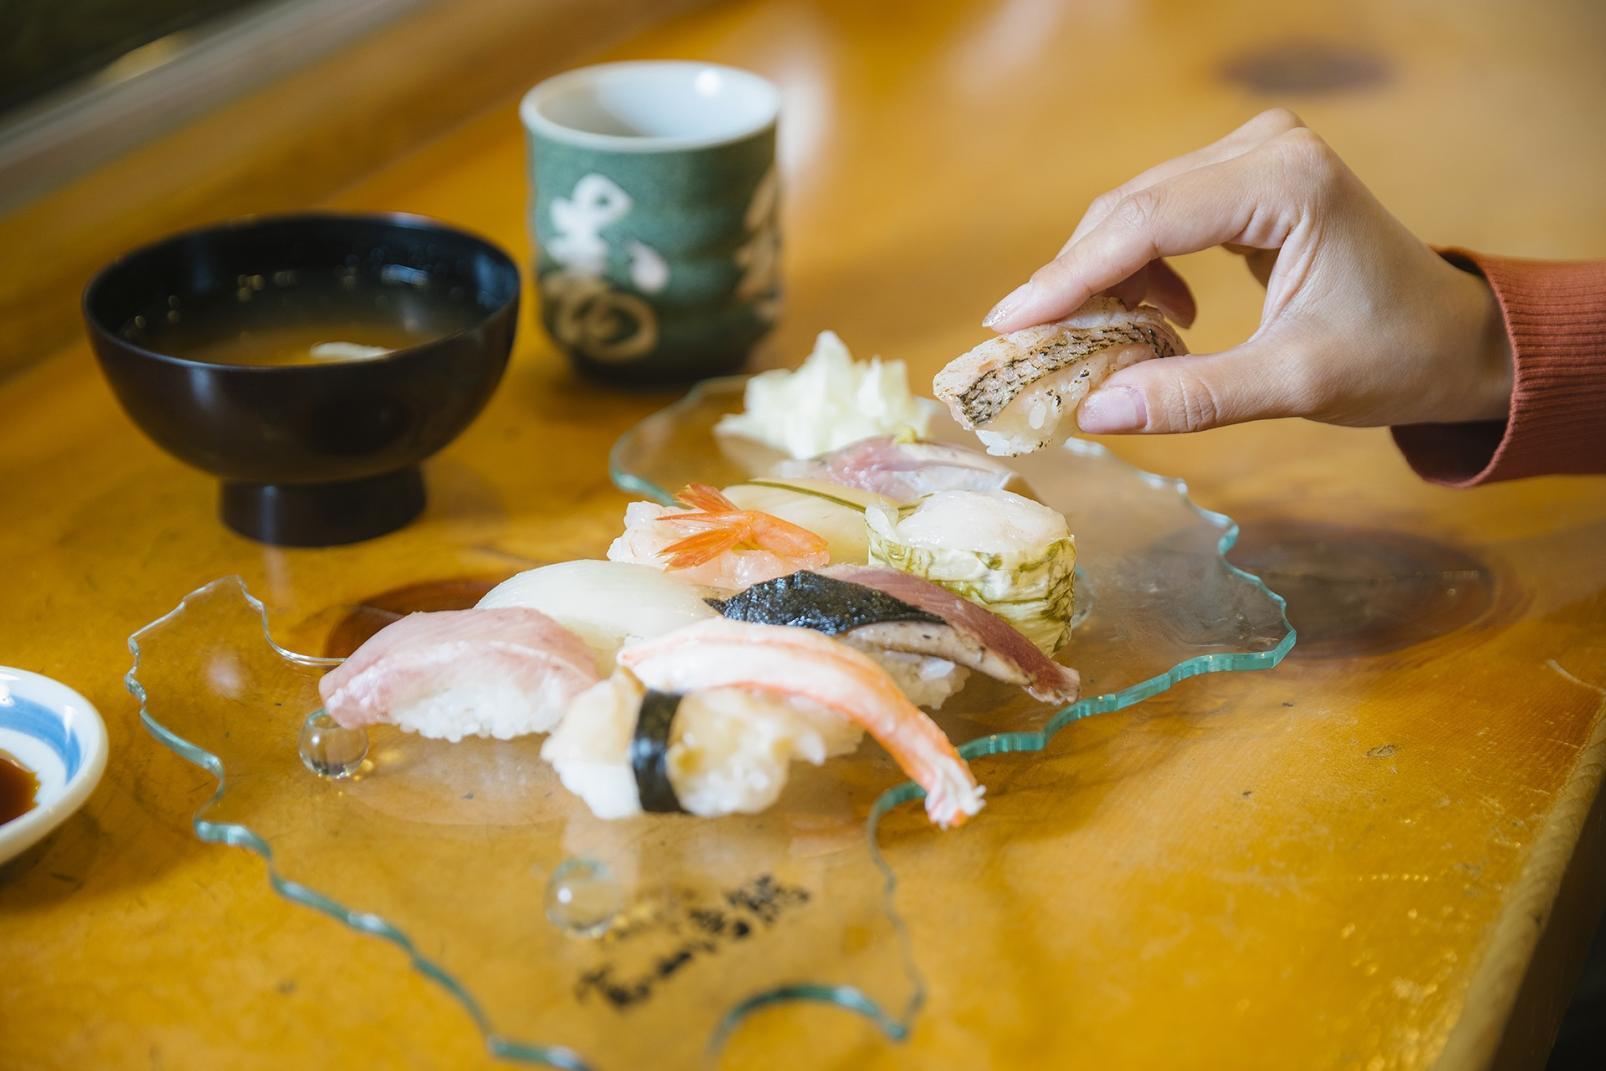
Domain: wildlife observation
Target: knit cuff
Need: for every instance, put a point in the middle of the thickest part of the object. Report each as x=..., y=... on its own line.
x=1555, y=316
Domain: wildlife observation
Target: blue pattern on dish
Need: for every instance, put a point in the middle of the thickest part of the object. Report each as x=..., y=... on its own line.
x=43, y=724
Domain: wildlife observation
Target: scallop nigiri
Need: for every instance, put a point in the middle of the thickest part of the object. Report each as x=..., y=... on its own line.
x=456, y=673
x=714, y=542
x=624, y=749
x=805, y=665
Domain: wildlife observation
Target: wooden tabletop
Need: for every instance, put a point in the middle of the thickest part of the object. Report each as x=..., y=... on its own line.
x=1384, y=854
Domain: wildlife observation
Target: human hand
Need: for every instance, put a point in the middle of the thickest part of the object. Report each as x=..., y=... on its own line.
x=1362, y=324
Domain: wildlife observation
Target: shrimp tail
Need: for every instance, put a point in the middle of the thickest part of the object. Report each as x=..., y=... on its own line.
x=702, y=547
x=700, y=496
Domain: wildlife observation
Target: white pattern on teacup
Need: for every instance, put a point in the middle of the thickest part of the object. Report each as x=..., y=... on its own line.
x=760, y=257
x=596, y=202
x=604, y=323
x=648, y=269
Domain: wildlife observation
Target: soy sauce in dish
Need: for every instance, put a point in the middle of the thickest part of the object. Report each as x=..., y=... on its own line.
x=19, y=788
x=307, y=317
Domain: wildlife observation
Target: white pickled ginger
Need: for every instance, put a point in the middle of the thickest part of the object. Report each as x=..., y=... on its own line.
x=831, y=400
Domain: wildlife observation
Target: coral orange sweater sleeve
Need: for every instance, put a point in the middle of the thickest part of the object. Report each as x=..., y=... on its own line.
x=1555, y=315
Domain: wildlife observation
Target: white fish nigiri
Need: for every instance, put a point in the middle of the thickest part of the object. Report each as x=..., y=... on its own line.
x=457, y=673
x=726, y=751
x=1015, y=390
x=606, y=604
x=803, y=664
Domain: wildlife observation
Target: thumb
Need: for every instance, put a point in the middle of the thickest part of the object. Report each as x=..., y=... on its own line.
x=1193, y=392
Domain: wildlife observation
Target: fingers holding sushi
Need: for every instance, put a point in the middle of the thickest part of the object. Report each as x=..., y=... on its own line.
x=1016, y=391
x=455, y=673
x=803, y=664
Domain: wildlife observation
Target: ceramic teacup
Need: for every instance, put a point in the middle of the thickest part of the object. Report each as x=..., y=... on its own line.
x=656, y=216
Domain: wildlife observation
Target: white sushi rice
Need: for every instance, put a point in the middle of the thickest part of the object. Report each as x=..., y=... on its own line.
x=928, y=682
x=493, y=707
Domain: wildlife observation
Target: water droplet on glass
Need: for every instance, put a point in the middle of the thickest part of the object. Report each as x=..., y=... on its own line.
x=583, y=897
x=331, y=750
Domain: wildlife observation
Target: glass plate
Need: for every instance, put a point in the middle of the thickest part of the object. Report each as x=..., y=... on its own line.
x=456, y=853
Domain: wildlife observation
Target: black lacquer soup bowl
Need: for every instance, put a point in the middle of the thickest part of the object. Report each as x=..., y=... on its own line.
x=248, y=351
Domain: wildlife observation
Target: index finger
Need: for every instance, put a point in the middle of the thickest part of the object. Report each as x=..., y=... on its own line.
x=1231, y=201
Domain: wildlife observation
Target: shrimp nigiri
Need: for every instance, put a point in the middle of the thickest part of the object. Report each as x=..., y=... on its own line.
x=625, y=750
x=807, y=665
x=713, y=542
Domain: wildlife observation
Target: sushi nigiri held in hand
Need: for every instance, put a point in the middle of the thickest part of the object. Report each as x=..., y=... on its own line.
x=1015, y=390
x=625, y=750
x=711, y=541
x=456, y=673
x=805, y=665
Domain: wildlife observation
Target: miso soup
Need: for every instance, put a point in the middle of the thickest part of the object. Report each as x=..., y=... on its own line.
x=307, y=317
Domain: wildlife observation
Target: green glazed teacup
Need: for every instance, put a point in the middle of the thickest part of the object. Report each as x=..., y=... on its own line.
x=656, y=216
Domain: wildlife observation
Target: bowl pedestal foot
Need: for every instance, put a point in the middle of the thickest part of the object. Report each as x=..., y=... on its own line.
x=323, y=514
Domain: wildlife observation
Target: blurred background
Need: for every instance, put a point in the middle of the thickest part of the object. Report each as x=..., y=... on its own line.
x=121, y=120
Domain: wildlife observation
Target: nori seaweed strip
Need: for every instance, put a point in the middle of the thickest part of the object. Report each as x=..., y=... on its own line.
x=822, y=603
x=649, y=753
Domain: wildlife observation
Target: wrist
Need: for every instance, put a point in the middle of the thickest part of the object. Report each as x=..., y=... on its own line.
x=1482, y=352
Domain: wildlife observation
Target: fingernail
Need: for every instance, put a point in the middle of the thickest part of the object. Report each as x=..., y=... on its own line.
x=1005, y=308
x=1113, y=409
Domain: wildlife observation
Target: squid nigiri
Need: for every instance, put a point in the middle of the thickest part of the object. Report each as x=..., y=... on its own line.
x=456, y=673
x=624, y=749
x=713, y=542
x=606, y=604
x=803, y=664
x=1015, y=389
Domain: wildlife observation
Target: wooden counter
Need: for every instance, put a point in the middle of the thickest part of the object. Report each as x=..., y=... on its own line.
x=1388, y=853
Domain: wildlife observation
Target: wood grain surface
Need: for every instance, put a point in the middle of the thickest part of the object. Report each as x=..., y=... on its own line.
x=1386, y=854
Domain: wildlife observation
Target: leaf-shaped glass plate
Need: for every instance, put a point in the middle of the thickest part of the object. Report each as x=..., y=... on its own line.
x=454, y=852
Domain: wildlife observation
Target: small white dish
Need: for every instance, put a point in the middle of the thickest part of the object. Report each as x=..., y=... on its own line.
x=57, y=734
